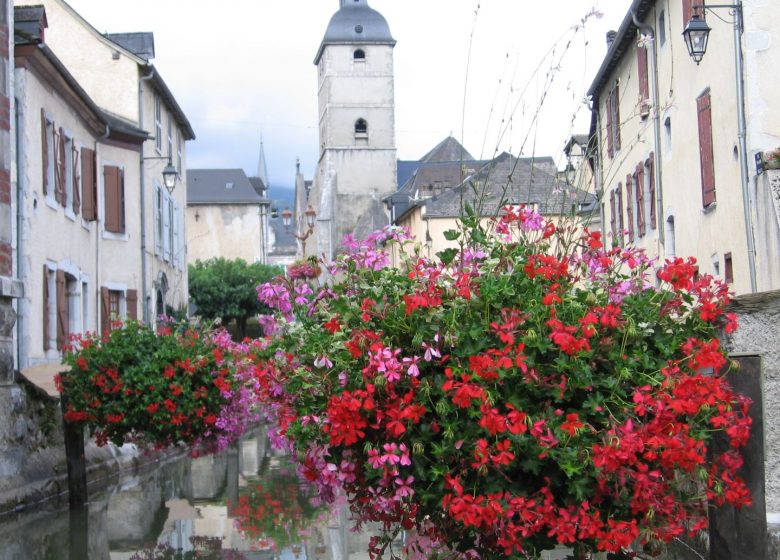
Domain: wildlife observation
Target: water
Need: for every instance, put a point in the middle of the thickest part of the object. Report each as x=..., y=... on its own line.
x=243, y=504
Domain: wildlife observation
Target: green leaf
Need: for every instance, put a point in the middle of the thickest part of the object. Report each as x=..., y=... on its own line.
x=451, y=234
x=448, y=255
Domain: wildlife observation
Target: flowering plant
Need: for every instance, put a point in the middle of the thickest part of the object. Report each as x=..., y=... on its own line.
x=530, y=388
x=772, y=158
x=161, y=388
x=277, y=509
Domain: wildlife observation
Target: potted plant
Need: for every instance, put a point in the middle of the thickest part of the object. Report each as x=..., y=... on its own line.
x=772, y=159
x=529, y=388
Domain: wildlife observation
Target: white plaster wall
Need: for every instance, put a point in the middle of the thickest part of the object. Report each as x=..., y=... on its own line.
x=112, y=84
x=52, y=234
x=701, y=234
x=231, y=231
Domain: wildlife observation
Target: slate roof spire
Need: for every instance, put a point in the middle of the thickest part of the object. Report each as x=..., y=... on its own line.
x=262, y=168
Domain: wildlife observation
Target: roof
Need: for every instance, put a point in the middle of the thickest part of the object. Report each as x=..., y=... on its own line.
x=30, y=52
x=507, y=180
x=448, y=149
x=356, y=24
x=626, y=37
x=140, y=43
x=220, y=186
x=259, y=186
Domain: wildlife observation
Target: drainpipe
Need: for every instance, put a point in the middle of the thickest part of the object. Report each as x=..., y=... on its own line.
x=98, y=222
x=144, y=283
x=654, y=102
x=743, y=164
x=20, y=269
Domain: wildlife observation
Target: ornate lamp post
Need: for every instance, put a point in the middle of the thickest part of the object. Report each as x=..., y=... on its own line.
x=310, y=215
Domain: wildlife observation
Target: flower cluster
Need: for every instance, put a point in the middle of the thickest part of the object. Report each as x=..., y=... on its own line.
x=162, y=388
x=534, y=388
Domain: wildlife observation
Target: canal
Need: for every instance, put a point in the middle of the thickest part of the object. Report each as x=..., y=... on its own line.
x=247, y=503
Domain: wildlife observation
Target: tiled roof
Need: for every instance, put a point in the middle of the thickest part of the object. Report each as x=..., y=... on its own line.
x=140, y=43
x=220, y=186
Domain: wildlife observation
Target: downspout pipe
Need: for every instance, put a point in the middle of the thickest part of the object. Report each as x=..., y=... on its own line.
x=743, y=164
x=21, y=237
x=654, y=102
x=144, y=266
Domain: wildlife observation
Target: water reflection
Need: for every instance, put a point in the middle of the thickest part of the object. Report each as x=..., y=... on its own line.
x=243, y=504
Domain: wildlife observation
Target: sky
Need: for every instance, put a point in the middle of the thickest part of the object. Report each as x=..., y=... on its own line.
x=498, y=75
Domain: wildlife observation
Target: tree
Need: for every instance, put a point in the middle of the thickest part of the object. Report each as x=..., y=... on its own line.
x=225, y=289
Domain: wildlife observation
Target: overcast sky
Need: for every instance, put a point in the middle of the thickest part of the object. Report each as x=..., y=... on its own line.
x=243, y=70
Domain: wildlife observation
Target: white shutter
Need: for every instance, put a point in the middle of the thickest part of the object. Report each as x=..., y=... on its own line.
x=176, y=237
x=158, y=249
x=166, y=228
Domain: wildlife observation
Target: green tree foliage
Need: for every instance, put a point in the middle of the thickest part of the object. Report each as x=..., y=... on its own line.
x=225, y=289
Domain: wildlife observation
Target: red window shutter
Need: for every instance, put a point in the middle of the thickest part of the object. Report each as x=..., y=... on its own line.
x=639, y=182
x=616, y=118
x=45, y=154
x=630, y=207
x=62, y=311
x=612, y=216
x=105, y=310
x=651, y=189
x=113, y=199
x=610, y=145
x=706, y=159
x=132, y=304
x=76, y=179
x=88, y=185
x=45, y=307
x=644, y=83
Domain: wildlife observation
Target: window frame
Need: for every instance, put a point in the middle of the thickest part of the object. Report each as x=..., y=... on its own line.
x=157, y=123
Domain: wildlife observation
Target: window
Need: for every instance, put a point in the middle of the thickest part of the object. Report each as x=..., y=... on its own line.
x=706, y=160
x=117, y=304
x=649, y=174
x=114, y=195
x=68, y=164
x=630, y=207
x=359, y=55
x=662, y=28
x=668, y=134
x=88, y=184
x=48, y=140
x=157, y=124
x=640, y=189
x=49, y=308
x=670, y=249
x=613, y=121
x=179, y=149
x=644, y=82
x=170, y=232
x=728, y=269
x=166, y=225
x=620, y=223
x=170, y=136
x=158, y=220
x=715, y=260
x=361, y=128
x=85, y=326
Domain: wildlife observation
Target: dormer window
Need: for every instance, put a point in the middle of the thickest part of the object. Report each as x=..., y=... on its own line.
x=228, y=185
x=361, y=128
x=359, y=55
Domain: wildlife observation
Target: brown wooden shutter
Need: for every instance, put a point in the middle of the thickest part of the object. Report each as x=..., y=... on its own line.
x=132, y=304
x=113, y=198
x=76, y=171
x=88, y=185
x=62, y=165
x=651, y=189
x=45, y=307
x=44, y=153
x=688, y=10
x=616, y=118
x=105, y=310
x=644, y=82
x=62, y=310
x=610, y=145
x=58, y=179
x=640, y=199
x=612, y=216
x=621, y=223
x=630, y=207
x=705, y=149
x=121, y=180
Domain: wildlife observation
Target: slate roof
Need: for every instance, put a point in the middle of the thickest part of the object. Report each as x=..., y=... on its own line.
x=220, y=186
x=355, y=24
x=448, y=149
x=259, y=186
x=507, y=180
x=140, y=43
x=29, y=23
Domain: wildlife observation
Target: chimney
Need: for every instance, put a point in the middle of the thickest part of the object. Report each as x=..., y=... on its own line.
x=611, y=36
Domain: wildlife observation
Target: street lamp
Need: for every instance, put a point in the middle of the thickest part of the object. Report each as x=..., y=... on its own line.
x=169, y=173
x=696, y=35
x=310, y=215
